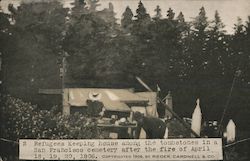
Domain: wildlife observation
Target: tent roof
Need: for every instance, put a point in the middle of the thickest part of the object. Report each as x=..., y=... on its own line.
x=152, y=105
x=113, y=99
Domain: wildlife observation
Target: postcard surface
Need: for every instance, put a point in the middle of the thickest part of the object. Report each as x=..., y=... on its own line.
x=125, y=79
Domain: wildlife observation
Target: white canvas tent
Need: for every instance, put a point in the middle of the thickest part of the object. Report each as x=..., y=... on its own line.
x=120, y=100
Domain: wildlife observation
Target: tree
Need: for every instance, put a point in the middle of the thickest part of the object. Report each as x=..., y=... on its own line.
x=237, y=45
x=108, y=15
x=184, y=29
x=237, y=69
x=200, y=22
x=180, y=18
x=159, y=53
x=239, y=27
x=217, y=47
x=218, y=25
x=45, y=19
x=170, y=14
x=93, y=4
x=35, y=50
x=5, y=37
x=5, y=24
x=248, y=27
x=183, y=26
x=158, y=14
x=79, y=8
x=240, y=46
x=196, y=57
x=86, y=42
x=216, y=56
x=4, y=29
x=142, y=15
x=141, y=22
x=199, y=38
x=127, y=18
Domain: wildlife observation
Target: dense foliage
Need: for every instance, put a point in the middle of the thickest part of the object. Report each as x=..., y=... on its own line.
x=23, y=120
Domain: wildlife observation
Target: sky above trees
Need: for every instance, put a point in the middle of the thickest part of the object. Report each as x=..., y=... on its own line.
x=229, y=10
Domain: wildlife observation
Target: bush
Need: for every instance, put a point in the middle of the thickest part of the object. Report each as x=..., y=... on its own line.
x=23, y=120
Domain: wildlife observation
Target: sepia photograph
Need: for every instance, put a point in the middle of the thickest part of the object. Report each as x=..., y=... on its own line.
x=125, y=80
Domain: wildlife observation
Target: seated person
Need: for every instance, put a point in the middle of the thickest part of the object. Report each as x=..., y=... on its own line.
x=154, y=127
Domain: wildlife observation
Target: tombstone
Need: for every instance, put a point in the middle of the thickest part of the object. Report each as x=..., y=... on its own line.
x=166, y=133
x=196, y=118
x=231, y=131
x=169, y=103
x=113, y=135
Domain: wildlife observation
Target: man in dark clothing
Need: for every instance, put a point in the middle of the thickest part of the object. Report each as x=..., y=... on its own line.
x=154, y=127
x=94, y=108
